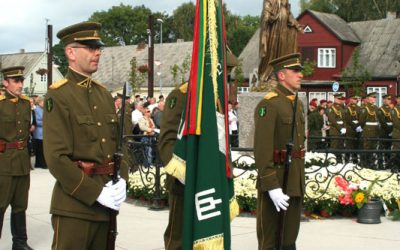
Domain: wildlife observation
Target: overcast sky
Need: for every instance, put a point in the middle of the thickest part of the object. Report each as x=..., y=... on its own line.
x=23, y=22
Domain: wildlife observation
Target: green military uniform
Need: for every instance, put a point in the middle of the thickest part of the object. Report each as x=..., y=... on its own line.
x=15, y=121
x=351, y=113
x=395, y=115
x=315, y=125
x=386, y=125
x=336, y=123
x=369, y=122
x=273, y=127
x=175, y=103
x=80, y=128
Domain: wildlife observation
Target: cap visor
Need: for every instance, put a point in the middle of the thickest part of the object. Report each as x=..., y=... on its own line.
x=296, y=67
x=93, y=43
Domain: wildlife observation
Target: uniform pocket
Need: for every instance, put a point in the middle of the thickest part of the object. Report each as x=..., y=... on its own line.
x=112, y=123
x=86, y=127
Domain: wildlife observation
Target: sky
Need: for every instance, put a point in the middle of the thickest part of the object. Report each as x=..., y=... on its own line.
x=23, y=22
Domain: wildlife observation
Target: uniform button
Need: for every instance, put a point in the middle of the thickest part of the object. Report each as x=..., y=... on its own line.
x=99, y=124
x=94, y=107
x=103, y=140
x=112, y=120
x=108, y=156
x=19, y=122
x=20, y=131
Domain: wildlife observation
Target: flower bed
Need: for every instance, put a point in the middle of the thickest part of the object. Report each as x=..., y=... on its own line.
x=322, y=199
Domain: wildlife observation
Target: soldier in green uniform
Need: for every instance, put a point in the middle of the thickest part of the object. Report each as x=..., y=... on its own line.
x=369, y=123
x=315, y=122
x=79, y=136
x=337, y=127
x=353, y=128
x=273, y=128
x=15, y=119
x=395, y=115
x=386, y=125
x=171, y=118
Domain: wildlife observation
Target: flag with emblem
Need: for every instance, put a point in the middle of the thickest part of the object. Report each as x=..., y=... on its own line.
x=201, y=157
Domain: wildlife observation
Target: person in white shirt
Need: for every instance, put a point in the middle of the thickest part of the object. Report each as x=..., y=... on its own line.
x=137, y=113
x=233, y=126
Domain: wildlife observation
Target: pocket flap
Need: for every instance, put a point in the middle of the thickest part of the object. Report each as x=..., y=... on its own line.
x=85, y=119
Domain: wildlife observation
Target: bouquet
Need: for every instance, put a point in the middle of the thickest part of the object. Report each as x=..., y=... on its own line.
x=354, y=194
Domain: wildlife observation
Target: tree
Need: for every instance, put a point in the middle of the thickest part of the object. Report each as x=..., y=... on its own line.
x=353, y=10
x=355, y=75
x=183, y=21
x=180, y=70
x=136, y=77
x=60, y=59
x=239, y=31
x=123, y=25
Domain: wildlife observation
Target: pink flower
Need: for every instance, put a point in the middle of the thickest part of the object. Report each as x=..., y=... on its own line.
x=342, y=183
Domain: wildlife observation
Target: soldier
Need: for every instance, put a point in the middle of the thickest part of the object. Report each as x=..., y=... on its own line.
x=15, y=118
x=386, y=125
x=80, y=138
x=273, y=129
x=353, y=128
x=395, y=115
x=337, y=128
x=369, y=123
x=315, y=124
x=171, y=118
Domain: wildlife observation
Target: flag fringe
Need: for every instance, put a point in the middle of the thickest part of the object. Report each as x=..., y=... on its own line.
x=214, y=242
x=234, y=208
x=177, y=168
x=212, y=29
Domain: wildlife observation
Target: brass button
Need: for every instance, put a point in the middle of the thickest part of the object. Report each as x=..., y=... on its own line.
x=99, y=124
x=108, y=156
x=103, y=140
x=20, y=131
x=95, y=107
x=112, y=120
x=19, y=122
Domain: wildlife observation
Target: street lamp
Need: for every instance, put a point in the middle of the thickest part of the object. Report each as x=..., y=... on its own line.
x=159, y=73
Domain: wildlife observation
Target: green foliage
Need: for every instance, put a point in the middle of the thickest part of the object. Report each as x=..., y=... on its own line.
x=239, y=31
x=353, y=10
x=183, y=21
x=60, y=59
x=136, y=78
x=355, y=75
x=238, y=73
x=309, y=67
x=179, y=71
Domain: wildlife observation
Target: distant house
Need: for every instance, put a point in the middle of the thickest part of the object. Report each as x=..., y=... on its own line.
x=35, y=64
x=330, y=42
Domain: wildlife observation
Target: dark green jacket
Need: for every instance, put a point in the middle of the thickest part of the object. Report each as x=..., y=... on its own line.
x=273, y=125
x=79, y=123
x=15, y=121
x=315, y=123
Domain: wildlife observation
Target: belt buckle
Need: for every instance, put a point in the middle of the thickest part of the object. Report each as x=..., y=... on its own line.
x=20, y=145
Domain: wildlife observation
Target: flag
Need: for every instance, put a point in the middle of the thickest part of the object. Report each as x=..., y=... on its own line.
x=201, y=158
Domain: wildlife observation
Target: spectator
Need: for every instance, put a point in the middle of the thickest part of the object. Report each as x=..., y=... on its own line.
x=136, y=116
x=157, y=116
x=233, y=127
x=38, y=134
x=148, y=129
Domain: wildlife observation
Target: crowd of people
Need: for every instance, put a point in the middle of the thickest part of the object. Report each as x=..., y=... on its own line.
x=354, y=123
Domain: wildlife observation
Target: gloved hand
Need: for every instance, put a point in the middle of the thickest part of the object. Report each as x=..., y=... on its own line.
x=279, y=199
x=106, y=198
x=343, y=131
x=119, y=190
x=359, y=129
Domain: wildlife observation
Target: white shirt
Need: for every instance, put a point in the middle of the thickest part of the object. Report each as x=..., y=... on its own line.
x=232, y=118
x=136, y=115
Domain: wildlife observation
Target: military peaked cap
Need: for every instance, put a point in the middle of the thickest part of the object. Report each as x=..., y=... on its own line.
x=87, y=33
x=387, y=96
x=338, y=95
x=372, y=94
x=13, y=72
x=291, y=61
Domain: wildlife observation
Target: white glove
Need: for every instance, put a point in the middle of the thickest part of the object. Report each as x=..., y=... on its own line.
x=106, y=198
x=119, y=190
x=343, y=131
x=359, y=129
x=279, y=199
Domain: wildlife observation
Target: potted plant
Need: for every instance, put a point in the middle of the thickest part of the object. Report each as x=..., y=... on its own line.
x=369, y=209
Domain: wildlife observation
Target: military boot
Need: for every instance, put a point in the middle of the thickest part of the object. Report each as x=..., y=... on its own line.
x=18, y=231
x=289, y=247
x=1, y=222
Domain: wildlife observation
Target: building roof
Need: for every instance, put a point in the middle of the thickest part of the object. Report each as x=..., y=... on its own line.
x=114, y=66
x=26, y=59
x=336, y=25
x=250, y=55
x=380, y=47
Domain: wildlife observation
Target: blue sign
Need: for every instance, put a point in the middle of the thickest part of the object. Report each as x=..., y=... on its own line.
x=335, y=86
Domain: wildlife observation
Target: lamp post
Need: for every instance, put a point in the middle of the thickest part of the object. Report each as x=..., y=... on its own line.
x=159, y=73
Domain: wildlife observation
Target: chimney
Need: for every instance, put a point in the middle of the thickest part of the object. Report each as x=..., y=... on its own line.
x=21, y=51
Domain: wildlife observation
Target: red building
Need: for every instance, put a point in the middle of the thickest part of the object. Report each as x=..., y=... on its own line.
x=330, y=42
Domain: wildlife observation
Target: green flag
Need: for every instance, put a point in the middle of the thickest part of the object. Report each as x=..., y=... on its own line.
x=201, y=157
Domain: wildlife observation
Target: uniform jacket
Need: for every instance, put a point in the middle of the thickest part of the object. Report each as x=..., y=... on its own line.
x=385, y=120
x=171, y=118
x=15, y=119
x=315, y=123
x=273, y=126
x=351, y=114
x=367, y=117
x=80, y=123
x=335, y=118
x=395, y=115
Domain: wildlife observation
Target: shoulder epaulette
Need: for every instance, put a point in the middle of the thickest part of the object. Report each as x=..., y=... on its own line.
x=58, y=84
x=24, y=97
x=270, y=95
x=183, y=87
x=2, y=97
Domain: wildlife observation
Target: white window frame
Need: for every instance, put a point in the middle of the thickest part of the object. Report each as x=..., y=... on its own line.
x=381, y=91
x=326, y=57
x=331, y=97
x=318, y=95
x=243, y=90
